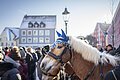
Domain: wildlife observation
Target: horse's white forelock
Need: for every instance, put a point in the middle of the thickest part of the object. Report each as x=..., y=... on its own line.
x=91, y=53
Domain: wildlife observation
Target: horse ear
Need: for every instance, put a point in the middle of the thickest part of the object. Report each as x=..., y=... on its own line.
x=59, y=35
x=63, y=34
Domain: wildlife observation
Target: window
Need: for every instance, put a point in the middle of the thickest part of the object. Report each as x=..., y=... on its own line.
x=35, y=40
x=36, y=25
x=29, y=33
x=2, y=44
x=47, y=40
x=5, y=38
x=41, y=40
x=0, y=39
x=42, y=24
x=23, y=32
x=23, y=40
x=29, y=40
x=7, y=44
x=35, y=32
x=41, y=32
x=47, y=32
x=30, y=25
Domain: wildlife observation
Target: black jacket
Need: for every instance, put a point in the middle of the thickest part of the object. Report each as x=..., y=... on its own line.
x=9, y=72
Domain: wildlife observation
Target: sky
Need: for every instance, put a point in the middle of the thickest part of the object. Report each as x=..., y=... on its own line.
x=84, y=14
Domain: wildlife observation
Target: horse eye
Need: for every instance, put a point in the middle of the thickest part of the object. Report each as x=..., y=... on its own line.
x=59, y=47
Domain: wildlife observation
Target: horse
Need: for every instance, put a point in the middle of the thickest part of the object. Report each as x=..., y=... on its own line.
x=86, y=61
x=65, y=72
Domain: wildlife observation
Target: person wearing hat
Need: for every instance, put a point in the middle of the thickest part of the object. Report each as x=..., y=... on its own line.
x=110, y=49
x=45, y=49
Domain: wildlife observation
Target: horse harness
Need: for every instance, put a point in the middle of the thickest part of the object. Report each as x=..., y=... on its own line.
x=114, y=75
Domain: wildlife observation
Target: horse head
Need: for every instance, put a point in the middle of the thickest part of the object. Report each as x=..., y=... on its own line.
x=57, y=56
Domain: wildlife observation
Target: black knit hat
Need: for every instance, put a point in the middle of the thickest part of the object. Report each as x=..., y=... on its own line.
x=110, y=45
x=46, y=48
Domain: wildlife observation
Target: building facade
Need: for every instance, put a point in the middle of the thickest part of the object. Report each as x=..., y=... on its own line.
x=37, y=31
x=100, y=33
x=9, y=37
x=114, y=30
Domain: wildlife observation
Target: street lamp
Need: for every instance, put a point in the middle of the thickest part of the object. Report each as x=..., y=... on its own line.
x=66, y=15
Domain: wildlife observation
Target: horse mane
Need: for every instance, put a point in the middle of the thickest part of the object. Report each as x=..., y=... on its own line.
x=90, y=53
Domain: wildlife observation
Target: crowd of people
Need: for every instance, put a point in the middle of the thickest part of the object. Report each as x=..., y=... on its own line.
x=19, y=63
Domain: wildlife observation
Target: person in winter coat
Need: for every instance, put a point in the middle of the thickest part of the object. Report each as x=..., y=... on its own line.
x=22, y=67
x=31, y=60
x=45, y=49
x=8, y=71
x=110, y=49
x=38, y=52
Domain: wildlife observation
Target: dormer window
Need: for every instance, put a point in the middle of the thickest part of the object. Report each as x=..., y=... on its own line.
x=30, y=25
x=42, y=24
x=36, y=25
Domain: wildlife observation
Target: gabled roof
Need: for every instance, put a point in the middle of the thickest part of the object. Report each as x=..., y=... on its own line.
x=14, y=30
x=48, y=20
x=104, y=27
x=117, y=11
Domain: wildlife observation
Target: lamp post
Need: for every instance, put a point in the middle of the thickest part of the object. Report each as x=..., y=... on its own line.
x=66, y=15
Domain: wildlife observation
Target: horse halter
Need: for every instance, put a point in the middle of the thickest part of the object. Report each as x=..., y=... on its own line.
x=59, y=57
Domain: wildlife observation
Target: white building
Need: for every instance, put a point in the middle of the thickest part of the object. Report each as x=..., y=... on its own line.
x=37, y=30
x=9, y=37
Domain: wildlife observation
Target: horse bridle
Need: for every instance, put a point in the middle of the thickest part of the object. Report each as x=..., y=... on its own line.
x=59, y=57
